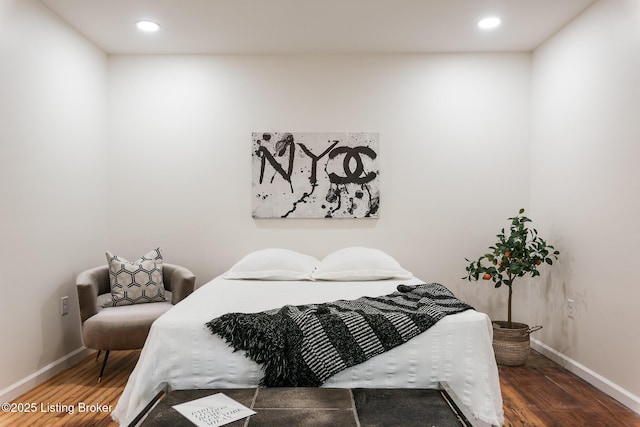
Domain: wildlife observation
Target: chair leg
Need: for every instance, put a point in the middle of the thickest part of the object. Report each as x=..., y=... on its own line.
x=98, y=355
x=104, y=363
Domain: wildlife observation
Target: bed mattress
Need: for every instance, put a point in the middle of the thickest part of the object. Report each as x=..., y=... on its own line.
x=181, y=353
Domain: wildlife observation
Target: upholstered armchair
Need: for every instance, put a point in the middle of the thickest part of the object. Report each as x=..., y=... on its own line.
x=124, y=327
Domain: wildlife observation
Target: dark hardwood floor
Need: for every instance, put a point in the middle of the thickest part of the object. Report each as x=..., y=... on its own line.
x=540, y=393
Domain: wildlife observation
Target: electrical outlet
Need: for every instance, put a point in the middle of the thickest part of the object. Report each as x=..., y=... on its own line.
x=64, y=306
x=570, y=308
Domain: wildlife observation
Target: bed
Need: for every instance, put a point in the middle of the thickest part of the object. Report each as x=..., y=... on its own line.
x=181, y=353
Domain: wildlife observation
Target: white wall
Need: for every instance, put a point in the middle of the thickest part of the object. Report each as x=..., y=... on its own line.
x=585, y=189
x=53, y=185
x=454, y=154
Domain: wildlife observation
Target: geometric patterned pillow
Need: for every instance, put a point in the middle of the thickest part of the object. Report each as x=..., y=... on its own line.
x=136, y=282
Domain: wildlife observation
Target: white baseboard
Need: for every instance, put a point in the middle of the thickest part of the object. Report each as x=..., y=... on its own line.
x=41, y=375
x=623, y=396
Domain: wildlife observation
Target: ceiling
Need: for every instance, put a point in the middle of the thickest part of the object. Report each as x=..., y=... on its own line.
x=315, y=26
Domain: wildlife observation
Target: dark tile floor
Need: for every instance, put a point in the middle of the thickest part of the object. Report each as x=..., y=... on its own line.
x=312, y=407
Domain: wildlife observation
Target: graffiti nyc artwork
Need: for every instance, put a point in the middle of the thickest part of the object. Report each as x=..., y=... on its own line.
x=315, y=175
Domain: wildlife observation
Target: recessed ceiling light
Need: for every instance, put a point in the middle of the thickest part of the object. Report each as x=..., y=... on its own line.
x=147, y=26
x=489, y=23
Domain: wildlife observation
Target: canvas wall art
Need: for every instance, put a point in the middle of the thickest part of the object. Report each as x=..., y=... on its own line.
x=315, y=175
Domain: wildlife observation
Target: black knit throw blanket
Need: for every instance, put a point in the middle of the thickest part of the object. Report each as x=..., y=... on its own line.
x=304, y=345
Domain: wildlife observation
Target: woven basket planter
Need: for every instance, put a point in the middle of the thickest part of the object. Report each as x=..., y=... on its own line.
x=511, y=345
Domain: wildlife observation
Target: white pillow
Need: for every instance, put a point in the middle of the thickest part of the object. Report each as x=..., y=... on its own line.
x=358, y=263
x=273, y=264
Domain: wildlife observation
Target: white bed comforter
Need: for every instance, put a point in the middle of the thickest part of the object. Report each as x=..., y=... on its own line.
x=181, y=352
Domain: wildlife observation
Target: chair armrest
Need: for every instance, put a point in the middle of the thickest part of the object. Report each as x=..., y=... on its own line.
x=179, y=280
x=88, y=287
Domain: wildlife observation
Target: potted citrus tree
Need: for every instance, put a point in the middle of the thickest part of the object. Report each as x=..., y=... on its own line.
x=517, y=253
